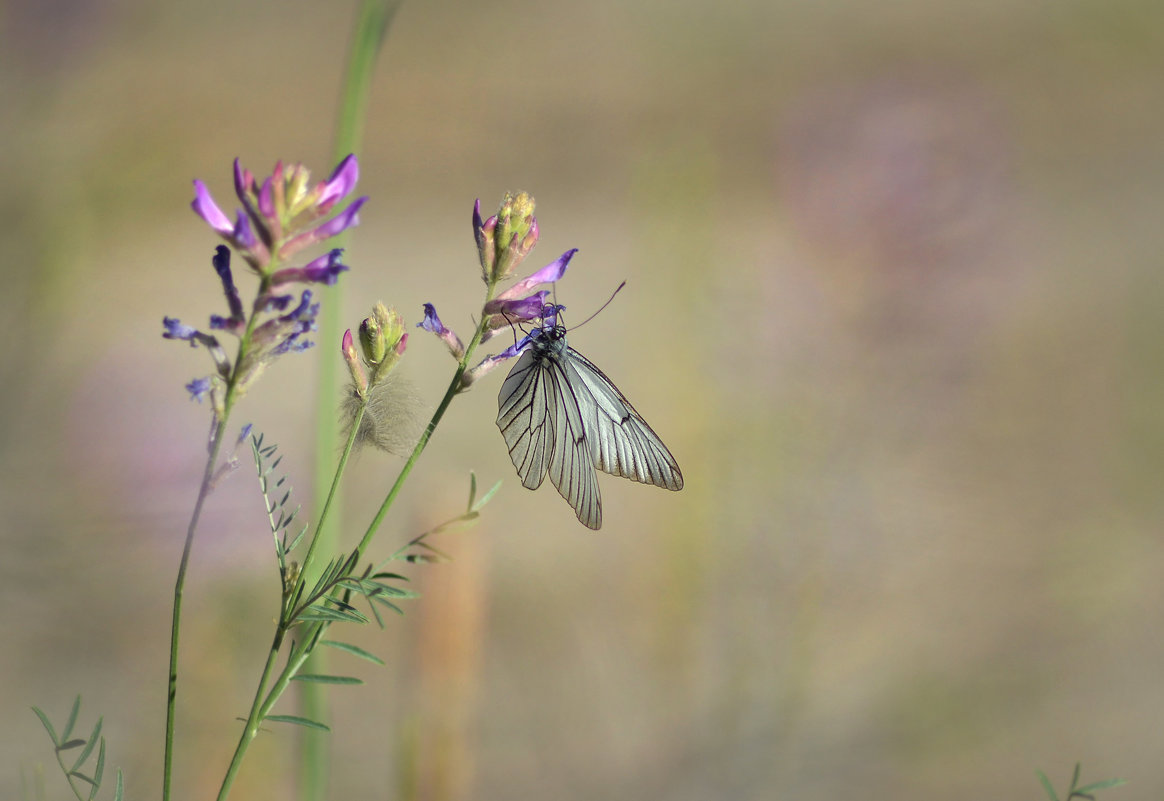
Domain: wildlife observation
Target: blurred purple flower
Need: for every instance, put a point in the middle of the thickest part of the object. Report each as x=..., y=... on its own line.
x=324, y=270
x=221, y=262
x=176, y=330
x=198, y=388
x=341, y=222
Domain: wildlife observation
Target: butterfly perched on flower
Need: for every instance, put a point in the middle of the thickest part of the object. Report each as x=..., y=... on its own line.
x=561, y=415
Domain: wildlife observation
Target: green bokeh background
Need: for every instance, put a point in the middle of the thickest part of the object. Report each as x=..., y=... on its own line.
x=893, y=300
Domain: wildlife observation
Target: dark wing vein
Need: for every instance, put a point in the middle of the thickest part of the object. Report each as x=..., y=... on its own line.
x=621, y=441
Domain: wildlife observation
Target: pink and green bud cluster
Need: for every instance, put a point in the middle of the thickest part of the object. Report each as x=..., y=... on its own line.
x=503, y=242
x=383, y=341
x=506, y=238
x=280, y=216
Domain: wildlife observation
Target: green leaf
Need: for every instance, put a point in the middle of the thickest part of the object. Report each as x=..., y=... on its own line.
x=99, y=771
x=72, y=718
x=47, y=726
x=1103, y=785
x=89, y=746
x=71, y=744
x=316, y=613
x=395, y=592
x=298, y=721
x=340, y=603
x=488, y=496
x=380, y=599
x=298, y=537
x=353, y=650
x=319, y=678
x=375, y=613
x=78, y=775
x=119, y=788
x=362, y=586
x=1047, y=785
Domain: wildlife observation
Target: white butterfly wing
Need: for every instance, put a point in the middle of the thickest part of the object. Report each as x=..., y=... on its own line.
x=621, y=442
x=541, y=420
x=523, y=415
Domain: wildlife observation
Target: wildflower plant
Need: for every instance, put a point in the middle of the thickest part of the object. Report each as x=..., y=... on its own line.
x=281, y=223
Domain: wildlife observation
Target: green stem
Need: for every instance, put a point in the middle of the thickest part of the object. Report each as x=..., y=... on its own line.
x=331, y=494
x=68, y=778
x=179, y=585
x=450, y=393
x=305, y=649
x=180, y=582
x=372, y=22
x=254, y=720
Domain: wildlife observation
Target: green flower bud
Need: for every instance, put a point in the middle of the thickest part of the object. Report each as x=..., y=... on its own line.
x=515, y=234
x=383, y=340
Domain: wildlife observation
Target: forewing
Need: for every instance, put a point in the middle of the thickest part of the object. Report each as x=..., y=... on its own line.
x=525, y=419
x=621, y=442
x=571, y=464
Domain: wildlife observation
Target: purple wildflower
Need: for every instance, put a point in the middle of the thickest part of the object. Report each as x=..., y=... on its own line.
x=341, y=183
x=198, y=388
x=324, y=270
x=518, y=309
x=239, y=234
x=433, y=324
x=341, y=222
x=279, y=211
x=176, y=330
x=549, y=274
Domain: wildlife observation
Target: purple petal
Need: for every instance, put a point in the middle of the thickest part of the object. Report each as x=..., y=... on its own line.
x=243, y=181
x=221, y=262
x=274, y=303
x=478, y=224
x=431, y=321
x=345, y=219
x=341, y=183
x=519, y=309
x=243, y=234
x=325, y=269
x=267, y=200
x=547, y=275
x=176, y=330
x=513, y=350
x=198, y=388
x=304, y=311
x=205, y=207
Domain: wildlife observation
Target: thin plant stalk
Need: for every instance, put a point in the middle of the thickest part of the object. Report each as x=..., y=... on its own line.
x=422, y=442
x=312, y=632
x=180, y=582
x=373, y=20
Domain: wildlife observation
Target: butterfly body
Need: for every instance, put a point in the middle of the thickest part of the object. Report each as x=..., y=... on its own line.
x=561, y=416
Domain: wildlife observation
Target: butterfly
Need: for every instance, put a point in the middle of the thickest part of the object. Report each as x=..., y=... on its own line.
x=559, y=414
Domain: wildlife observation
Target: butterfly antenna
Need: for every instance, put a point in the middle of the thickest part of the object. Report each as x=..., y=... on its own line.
x=600, y=308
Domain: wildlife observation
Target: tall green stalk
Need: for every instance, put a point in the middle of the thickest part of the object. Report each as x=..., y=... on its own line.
x=302, y=652
x=373, y=20
x=180, y=583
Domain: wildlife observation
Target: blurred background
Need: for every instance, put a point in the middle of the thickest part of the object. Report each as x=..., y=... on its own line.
x=893, y=300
